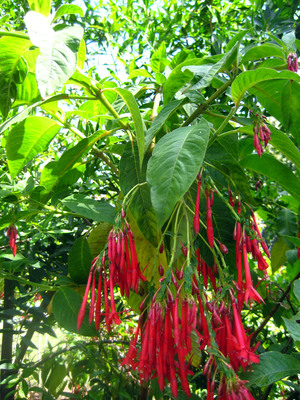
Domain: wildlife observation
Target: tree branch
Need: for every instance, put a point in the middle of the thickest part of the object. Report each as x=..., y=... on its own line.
x=275, y=308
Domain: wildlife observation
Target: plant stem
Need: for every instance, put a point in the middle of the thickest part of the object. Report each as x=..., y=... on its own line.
x=7, y=338
x=274, y=309
x=205, y=105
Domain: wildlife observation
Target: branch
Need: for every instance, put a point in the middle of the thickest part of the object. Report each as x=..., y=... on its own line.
x=275, y=308
x=204, y=106
x=67, y=350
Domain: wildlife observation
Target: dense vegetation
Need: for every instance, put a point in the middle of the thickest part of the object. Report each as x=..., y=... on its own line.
x=150, y=221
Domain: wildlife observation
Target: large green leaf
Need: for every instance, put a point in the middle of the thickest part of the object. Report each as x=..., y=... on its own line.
x=53, y=173
x=27, y=92
x=40, y=6
x=219, y=155
x=12, y=69
x=140, y=205
x=287, y=223
x=97, y=239
x=208, y=71
x=174, y=165
x=27, y=139
x=278, y=257
x=66, y=304
x=269, y=166
x=58, y=52
x=99, y=211
x=56, y=382
x=67, y=9
x=161, y=118
x=27, y=111
x=133, y=108
x=178, y=78
x=272, y=367
x=269, y=95
x=263, y=51
x=248, y=79
x=79, y=260
x=297, y=289
x=290, y=106
x=293, y=327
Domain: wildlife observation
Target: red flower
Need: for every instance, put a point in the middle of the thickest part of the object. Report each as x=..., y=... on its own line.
x=12, y=233
x=292, y=62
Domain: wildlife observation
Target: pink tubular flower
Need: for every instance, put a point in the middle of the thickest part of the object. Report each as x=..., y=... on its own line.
x=196, y=216
x=292, y=62
x=12, y=233
x=250, y=292
x=86, y=294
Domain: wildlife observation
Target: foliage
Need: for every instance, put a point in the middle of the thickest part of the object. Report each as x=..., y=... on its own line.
x=148, y=195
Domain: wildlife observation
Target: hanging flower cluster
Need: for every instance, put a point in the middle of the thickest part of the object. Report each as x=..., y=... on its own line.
x=262, y=133
x=165, y=342
x=184, y=318
x=123, y=270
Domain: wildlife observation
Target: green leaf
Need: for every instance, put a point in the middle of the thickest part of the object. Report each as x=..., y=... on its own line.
x=27, y=139
x=269, y=94
x=67, y=9
x=178, y=78
x=289, y=40
x=158, y=60
x=297, y=289
x=263, y=51
x=99, y=211
x=293, y=326
x=40, y=6
x=58, y=52
x=27, y=111
x=237, y=38
x=208, y=71
x=80, y=260
x=12, y=69
x=272, y=367
x=293, y=239
x=274, y=169
x=66, y=305
x=219, y=154
x=140, y=205
x=27, y=92
x=171, y=176
x=278, y=257
x=161, y=119
x=139, y=72
x=287, y=223
x=56, y=382
x=137, y=119
x=248, y=79
x=290, y=106
x=53, y=173
x=97, y=239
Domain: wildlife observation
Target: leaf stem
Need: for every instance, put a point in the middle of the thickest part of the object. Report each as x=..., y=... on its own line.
x=222, y=126
x=14, y=34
